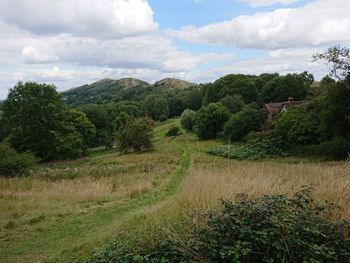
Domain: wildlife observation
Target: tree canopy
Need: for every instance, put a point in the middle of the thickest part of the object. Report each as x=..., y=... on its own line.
x=210, y=120
x=40, y=122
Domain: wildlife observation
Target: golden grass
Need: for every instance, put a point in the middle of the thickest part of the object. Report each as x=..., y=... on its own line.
x=207, y=182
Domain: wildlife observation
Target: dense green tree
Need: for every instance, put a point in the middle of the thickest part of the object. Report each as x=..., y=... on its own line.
x=40, y=122
x=132, y=108
x=156, y=107
x=282, y=87
x=243, y=122
x=175, y=105
x=188, y=119
x=136, y=135
x=233, y=103
x=210, y=120
x=334, y=112
x=101, y=116
x=327, y=81
x=230, y=85
x=297, y=126
x=81, y=126
x=193, y=99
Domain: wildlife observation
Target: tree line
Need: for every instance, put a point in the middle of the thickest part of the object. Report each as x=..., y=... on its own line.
x=36, y=118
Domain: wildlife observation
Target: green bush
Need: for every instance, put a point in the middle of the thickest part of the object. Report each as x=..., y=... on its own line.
x=266, y=229
x=269, y=146
x=336, y=149
x=13, y=163
x=173, y=131
x=188, y=119
x=240, y=124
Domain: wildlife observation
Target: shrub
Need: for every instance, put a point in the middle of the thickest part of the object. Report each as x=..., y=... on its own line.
x=13, y=163
x=136, y=135
x=256, y=149
x=173, y=131
x=336, y=149
x=210, y=120
x=240, y=124
x=266, y=229
x=188, y=119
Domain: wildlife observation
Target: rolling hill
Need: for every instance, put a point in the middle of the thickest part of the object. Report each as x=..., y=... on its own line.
x=110, y=90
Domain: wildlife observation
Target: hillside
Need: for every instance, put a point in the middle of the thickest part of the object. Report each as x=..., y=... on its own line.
x=171, y=83
x=110, y=90
x=106, y=90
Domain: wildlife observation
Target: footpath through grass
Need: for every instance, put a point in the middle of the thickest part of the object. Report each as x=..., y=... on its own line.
x=59, y=237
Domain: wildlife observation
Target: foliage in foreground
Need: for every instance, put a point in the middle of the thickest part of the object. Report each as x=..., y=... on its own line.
x=266, y=229
x=13, y=163
x=255, y=149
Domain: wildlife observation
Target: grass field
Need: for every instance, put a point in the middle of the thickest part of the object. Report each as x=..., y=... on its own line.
x=64, y=211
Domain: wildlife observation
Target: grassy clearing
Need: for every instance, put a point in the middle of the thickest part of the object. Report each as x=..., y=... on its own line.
x=66, y=210
x=63, y=210
x=211, y=179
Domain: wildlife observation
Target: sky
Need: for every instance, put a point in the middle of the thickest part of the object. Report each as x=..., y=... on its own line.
x=74, y=42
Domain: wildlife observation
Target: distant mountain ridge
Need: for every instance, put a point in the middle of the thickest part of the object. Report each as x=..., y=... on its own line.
x=111, y=90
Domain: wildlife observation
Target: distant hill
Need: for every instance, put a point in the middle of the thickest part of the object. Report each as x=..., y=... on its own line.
x=171, y=83
x=110, y=90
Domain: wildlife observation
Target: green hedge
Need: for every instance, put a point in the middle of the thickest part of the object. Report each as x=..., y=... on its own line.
x=13, y=163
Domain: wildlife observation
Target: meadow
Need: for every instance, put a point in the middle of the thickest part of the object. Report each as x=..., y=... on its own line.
x=64, y=211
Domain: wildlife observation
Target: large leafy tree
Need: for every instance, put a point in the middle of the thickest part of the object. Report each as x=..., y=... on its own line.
x=297, y=126
x=176, y=107
x=193, y=99
x=102, y=117
x=136, y=135
x=233, y=103
x=40, y=122
x=210, y=120
x=335, y=109
x=338, y=59
x=243, y=122
x=156, y=107
x=280, y=88
x=188, y=119
x=230, y=85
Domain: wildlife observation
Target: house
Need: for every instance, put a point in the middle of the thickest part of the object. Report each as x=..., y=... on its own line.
x=274, y=108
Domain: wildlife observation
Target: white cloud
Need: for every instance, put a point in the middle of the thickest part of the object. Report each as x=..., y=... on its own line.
x=31, y=56
x=91, y=18
x=322, y=22
x=258, y=3
x=150, y=51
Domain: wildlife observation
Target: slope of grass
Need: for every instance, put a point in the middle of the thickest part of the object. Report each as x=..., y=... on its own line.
x=65, y=209
x=69, y=209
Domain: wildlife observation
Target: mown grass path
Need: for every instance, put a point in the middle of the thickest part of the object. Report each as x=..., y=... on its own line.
x=75, y=236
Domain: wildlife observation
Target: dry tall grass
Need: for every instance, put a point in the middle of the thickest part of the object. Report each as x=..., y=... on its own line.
x=207, y=184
